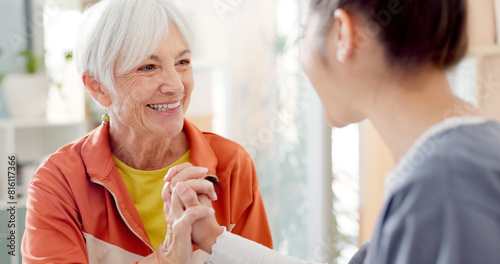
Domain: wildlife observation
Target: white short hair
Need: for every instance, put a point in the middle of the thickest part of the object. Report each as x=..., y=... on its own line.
x=117, y=35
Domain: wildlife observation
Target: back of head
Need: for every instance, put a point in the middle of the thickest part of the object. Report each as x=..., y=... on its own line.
x=116, y=35
x=413, y=32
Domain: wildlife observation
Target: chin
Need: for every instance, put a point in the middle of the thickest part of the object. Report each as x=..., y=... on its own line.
x=339, y=119
x=173, y=129
x=337, y=122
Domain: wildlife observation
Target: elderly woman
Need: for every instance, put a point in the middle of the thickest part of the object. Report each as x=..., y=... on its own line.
x=98, y=199
x=386, y=61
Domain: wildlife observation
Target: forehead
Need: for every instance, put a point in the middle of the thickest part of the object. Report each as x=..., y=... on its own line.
x=173, y=41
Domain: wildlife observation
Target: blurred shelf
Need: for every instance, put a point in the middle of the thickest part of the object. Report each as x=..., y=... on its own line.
x=31, y=140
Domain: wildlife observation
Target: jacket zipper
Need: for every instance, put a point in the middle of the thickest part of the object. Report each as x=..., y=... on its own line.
x=121, y=214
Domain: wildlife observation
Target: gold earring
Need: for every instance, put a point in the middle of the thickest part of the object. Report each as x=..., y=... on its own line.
x=105, y=117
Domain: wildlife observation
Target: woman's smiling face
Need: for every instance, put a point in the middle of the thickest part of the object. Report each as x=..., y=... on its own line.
x=153, y=97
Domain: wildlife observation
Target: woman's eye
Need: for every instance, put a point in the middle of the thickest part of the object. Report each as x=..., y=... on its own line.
x=147, y=68
x=184, y=62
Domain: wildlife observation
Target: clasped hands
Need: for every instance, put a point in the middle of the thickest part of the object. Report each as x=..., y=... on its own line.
x=187, y=197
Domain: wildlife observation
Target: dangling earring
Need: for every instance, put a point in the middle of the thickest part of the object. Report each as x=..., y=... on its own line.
x=105, y=117
x=341, y=53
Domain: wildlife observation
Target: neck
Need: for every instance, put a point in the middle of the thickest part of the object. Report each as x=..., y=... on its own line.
x=407, y=106
x=145, y=151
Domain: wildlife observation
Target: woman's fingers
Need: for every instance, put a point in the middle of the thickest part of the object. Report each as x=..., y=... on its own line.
x=174, y=207
x=200, y=186
x=177, y=206
x=183, y=214
x=185, y=171
x=191, y=215
x=175, y=211
x=175, y=169
x=190, y=196
x=204, y=231
x=184, y=198
x=203, y=187
x=178, y=238
x=204, y=200
x=188, y=173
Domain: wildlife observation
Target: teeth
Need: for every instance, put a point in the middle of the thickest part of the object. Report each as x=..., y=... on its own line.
x=164, y=107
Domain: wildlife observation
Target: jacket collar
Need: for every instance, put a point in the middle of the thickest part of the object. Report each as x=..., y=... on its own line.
x=201, y=151
x=96, y=152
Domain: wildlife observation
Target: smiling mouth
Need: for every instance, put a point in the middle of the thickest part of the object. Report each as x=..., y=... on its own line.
x=164, y=107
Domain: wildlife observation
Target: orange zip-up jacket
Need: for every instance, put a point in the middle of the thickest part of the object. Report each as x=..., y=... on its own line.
x=80, y=211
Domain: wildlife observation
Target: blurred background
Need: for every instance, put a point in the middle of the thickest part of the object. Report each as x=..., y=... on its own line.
x=322, y=187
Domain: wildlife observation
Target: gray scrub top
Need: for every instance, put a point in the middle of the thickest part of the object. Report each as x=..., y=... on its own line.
x=444, y=204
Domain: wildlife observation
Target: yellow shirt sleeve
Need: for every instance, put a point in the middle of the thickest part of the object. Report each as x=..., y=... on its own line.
x=145, y=188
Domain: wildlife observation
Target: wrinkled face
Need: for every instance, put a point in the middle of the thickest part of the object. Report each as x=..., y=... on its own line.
x=153, y=97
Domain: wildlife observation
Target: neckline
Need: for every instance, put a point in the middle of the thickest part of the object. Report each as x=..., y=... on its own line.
x=125, y=167
x=394, y=178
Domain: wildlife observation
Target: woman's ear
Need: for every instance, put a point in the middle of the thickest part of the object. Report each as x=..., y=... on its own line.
x=343, y=32
x=96, y=89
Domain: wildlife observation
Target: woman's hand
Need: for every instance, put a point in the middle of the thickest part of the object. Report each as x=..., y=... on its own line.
x=205, y=230
x=177, y=247
x=201, y=192
x=183, y=173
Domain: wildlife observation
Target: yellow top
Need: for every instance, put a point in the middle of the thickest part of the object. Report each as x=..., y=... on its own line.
x=145, y=189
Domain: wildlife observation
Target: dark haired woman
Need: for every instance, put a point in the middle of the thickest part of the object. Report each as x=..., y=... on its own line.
x=386, y=61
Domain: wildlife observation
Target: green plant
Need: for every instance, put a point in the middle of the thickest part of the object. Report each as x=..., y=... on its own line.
x=68, y=55
x=31, y=61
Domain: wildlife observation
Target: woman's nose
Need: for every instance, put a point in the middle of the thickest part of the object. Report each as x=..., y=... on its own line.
x=171, y=82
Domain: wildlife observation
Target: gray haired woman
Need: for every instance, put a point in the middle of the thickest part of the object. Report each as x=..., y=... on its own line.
x=98, y=199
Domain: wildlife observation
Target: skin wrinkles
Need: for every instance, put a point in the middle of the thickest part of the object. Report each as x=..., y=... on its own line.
x=141, y=137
